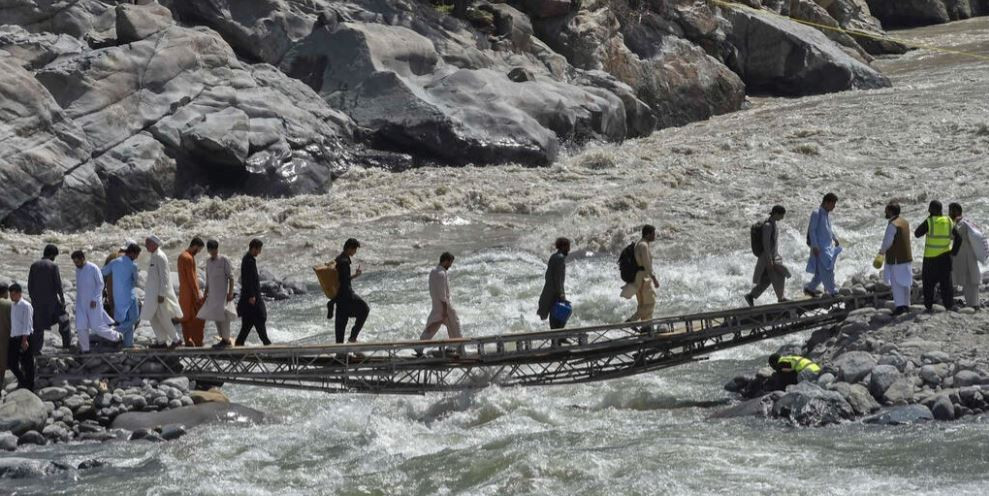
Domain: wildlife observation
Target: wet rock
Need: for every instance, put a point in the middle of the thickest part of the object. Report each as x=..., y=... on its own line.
x=895, y=359
x=756, y=407
x=809, y=405
x=853, y=366
x=934, y=373
x=21, y=412
x=213, y=395
x=826, y=379
x=137, y=22
x=188, y=416
x=899, y=13
x=855, y=15
x=56, y=432
x=901, y=415
x=882, y=377
x=936, y=357
x=32, y=437
x=943, y=409
x=784, y=57
x=857, y=396
x=27, y=468
x=135, y=402
x=173, y=432
x=8, y=441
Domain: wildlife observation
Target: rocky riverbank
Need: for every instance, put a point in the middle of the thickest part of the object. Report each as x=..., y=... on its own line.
x=112, y=107
x=882, y=369
x=94, y=410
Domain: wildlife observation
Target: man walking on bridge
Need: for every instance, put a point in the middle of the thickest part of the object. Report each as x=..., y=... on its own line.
x=443, y=312
x=219, y=292
x=936, y=270
x=91, y=317
x=251, y=307
x=769, y=269
x=126, y=311
x=556, y=276
x=160, y=304
x=645, y=283
x=190, y=298
x=348, y=304
x=824, y=248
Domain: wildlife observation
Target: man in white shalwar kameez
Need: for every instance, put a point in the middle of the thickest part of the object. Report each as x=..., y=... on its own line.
x=91, y=317
x=443, y=312
x=898, y=257
x=965, y=270
x=160, y=303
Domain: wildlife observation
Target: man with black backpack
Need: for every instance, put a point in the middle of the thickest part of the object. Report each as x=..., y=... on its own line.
x=635, y=265
x=769, y=269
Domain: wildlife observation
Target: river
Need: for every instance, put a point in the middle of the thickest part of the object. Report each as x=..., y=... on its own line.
x=701, y=184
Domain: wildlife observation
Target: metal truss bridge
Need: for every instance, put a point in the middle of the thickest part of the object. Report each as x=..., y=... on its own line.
x=565, y=356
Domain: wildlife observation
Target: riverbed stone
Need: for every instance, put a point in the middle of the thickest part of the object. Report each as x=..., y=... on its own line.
x=22, y=411
x=213, y=395
x=173, y=431
x=857, y=396
x=881, y=378
x=180, y=383
x=853, y=366
x=943, y=409
x=32, y=437
x=968, y=378
x=756, y=407
x=900, y=392
x=936, y=356
x=901, y=415
x=934, y=374
x=53, y=393
x=8, y=441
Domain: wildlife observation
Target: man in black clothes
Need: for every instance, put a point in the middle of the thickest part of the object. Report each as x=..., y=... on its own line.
x=556, y=275
x=936, y=271
x=44, y=284
x=348, y=304
x=250, y=306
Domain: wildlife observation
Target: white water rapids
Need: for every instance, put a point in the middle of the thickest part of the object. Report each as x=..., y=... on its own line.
x=925, y=138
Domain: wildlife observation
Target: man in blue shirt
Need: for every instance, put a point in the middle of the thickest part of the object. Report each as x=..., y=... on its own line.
x=824, y=249
x=125, y=307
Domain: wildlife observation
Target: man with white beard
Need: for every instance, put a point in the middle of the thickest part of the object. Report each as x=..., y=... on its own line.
x=898, y=257
x=160, y=303
x=91, y=318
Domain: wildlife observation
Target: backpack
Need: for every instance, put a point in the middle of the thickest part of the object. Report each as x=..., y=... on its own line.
x=328, y=278
x=980, y=245
x=627, y=265
x=755, y=232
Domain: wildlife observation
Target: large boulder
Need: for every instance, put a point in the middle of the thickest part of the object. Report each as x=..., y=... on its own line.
x=137, y=22
x=857, y=396
x=22, y=411
x=71, y=17
x=810, y=405
x=780, y=56
x=34, y=50
x=855, y=16
x=756, y=407
x=882, y=377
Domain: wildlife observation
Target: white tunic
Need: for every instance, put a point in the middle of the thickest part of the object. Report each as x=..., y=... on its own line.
x=89, y=291
x=439, y=292
x=219, y=273
x=159, y=283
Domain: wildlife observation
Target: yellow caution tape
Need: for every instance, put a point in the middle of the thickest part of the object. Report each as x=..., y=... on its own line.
x=852, y=32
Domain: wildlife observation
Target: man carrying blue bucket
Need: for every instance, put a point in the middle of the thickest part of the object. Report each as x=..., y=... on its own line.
x=553, y=302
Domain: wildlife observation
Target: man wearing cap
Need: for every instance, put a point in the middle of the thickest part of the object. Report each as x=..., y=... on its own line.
x=160, y=303
x=126, y=311
x=44, y=284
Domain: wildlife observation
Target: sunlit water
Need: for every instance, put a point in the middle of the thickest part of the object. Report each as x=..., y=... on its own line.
x=649, y=434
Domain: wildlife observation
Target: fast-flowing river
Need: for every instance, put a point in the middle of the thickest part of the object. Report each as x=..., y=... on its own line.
x=702, y=185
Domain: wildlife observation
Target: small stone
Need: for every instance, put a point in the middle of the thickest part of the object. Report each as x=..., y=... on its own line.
x=56, y=432
x=943, y=409
x=936, y=357
x=882, y=377
x=135, y=402
x=186, y=401
x=53, y=393
x=825, y=379
x=32, y=437
x=934, y=373
x=91, y=463
x=853, y=366
x=900, y=392
x=74, y=401
x=967, y=378
x=900, y=415
x=175, y=404
x=172, y=432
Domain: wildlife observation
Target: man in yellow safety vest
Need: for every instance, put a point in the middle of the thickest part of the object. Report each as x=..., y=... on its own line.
x=936, y=271
x=794, y=368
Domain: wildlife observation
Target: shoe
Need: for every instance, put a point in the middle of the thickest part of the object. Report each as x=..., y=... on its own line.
x=157, y=346
x=175, y=344
x=900, y=311
x=812, y=293
x=783, y=300
x=222, y=345
x=750, y=300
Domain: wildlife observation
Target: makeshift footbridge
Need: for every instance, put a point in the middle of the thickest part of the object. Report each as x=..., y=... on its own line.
x=565, y=356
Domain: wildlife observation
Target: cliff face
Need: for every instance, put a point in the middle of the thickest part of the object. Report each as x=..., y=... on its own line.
x=109, y=107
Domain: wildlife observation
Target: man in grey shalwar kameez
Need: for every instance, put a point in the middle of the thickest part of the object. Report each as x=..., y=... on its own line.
x=219, y=291
x=769, y=270
x=556, y=275
x=964, y=264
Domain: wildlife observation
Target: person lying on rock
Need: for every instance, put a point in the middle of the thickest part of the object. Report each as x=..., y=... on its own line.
x=792, y=369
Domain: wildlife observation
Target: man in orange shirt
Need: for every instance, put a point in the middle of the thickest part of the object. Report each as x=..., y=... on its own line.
x=190, y=298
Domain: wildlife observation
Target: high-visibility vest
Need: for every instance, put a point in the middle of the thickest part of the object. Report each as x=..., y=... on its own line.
x=799, y=363
x=938, y=236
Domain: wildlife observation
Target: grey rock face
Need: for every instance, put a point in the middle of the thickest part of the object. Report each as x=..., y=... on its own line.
x=781, y=56
x=899, y=13
x=22, y=411
x=883, y=376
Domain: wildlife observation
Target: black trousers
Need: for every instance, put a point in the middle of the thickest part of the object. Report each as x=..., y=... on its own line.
x=21, y=363
x=352, y=307
x=38, y=336
x=937, y=272
x=250, y=322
